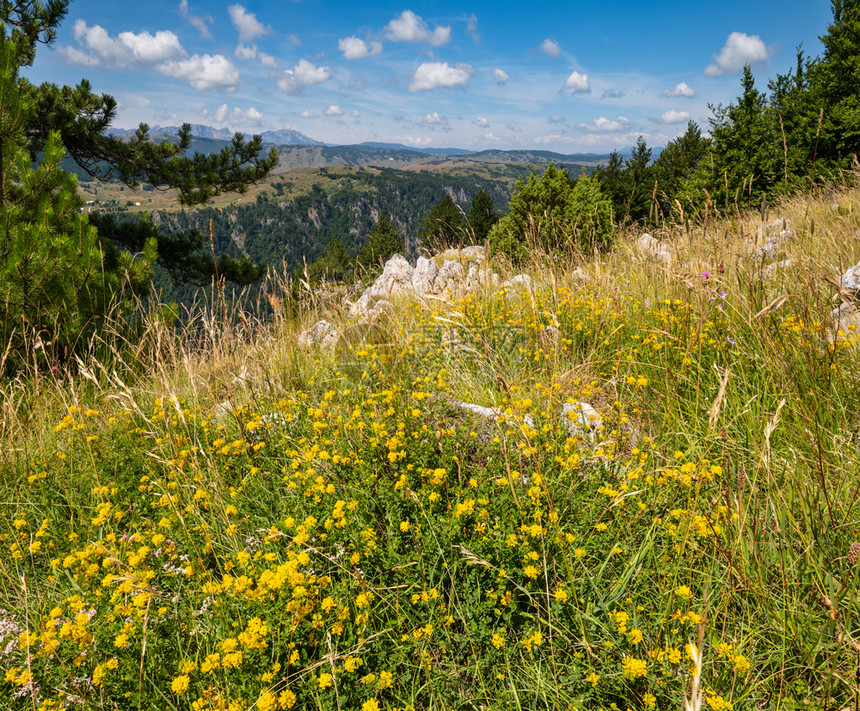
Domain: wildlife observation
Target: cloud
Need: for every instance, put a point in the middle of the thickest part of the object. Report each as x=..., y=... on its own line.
x=294, y=39
x=334, y=111
x=246, y=23
x=554, y=138
x=125, y=49
x=500, y=76
x=409, y=27
x=355, y=113
x=481, y=122
x=251, y=53
x=612, y=94
x=433, y=120
x=433, y=75
x=605, y=125
x=577, y=82
x=739, y=49
x=682, y=89
x=307, y=114
x=357, y=48
x=551, y=48
x=513, y=127
x=673, y=116
x=200, y=22
x=303, y=74
x=203, y=72
x=472, y=28
x=413, y=140
x=556, y=118
x=251, y=116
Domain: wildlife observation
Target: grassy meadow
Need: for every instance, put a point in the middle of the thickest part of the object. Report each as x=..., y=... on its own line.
x=215, y=519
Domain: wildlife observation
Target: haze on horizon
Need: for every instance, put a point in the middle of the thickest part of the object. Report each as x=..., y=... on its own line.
x=475, y=76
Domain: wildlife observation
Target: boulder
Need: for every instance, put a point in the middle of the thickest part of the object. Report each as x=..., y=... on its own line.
x=845, y=318
x=424, y=275
x=380, y=308
x=520, y=281
x=580, y=418
x=396, y=278
x=772, y=269
x=322, y=333
x=850, y=280
x=775, y=234
x=449, y=278
x=656, y=249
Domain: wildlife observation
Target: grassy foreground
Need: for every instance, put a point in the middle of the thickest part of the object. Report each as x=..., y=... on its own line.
x=346, y=537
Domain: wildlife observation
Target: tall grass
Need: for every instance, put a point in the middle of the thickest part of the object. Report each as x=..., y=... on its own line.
x=209, y=517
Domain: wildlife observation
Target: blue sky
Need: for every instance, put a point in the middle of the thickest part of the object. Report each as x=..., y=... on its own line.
x=568, y=77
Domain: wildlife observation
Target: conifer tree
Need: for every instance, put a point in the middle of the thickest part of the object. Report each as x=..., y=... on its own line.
x=443, y=226
x=482, y=216
x=385, y=241
x=58, y=272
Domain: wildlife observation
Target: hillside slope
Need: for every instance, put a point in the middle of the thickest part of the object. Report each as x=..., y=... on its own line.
x=425, y=515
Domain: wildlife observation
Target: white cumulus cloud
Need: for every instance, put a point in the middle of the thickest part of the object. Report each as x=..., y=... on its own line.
x=577, y=82
x=303, y=74
x=203, y=72
x=200, y=22
x=334, y=110
x=433, y=75
x=482, y=122
x=605, y=125
x=669, y=117
x=237, y=116
x=739, y=49
x=246, y=23
x=500, y=76
x=127, y=48
x=250, y=53
x=682, y=89
x=409, y=27
x=551, y=48
x=357, y=48
x=434, y=119
x=556, y=118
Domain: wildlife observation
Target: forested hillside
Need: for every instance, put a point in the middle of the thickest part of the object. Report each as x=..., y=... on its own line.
x=291, y=225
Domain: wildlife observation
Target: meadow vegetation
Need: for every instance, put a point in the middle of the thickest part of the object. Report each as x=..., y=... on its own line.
x=214, y=519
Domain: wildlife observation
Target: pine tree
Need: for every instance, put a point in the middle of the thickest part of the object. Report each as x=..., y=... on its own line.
x=384, y=242
x=482, y=216
x=58, y=273
x=443, y=226
x=638, y=182
x=52, y=285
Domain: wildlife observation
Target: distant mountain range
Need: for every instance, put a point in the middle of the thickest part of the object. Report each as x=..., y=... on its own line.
x=296, y=150
x=283, y=136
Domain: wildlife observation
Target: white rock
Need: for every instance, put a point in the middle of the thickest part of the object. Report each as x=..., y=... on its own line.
x=447, y=281
x=396, y=278
x=851, y=278
x=656, y=249
x=322, y=333
x=520, y=281
x=580, y=418
x=771, y=269
x=424, y=276
x=380, y=308
x=775, y=234
x=844, y=317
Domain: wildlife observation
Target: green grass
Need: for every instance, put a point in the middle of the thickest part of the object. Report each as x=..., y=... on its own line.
x=344, y=536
